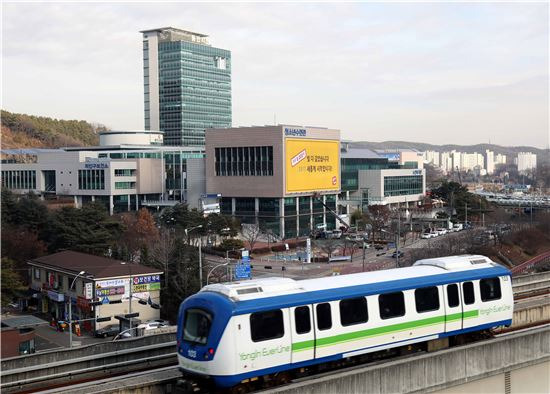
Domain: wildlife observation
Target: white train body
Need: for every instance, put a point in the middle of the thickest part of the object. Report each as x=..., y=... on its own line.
x=236, y=331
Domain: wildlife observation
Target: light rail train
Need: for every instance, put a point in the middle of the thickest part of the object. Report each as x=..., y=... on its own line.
x=249, y=332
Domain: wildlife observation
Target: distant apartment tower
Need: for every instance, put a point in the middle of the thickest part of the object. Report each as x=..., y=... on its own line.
x=500, y=159
x=187, y=85
x=526, y=161
x=432, y=157
x=489, y=161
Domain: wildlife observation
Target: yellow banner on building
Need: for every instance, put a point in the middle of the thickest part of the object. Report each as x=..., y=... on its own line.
x=312, y=165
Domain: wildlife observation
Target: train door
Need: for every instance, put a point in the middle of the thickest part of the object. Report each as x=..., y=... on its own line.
x=303, y=334
x=453, y=307
x=470, y=303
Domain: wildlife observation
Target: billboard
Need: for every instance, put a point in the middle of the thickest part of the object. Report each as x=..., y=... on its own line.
x=311, y=165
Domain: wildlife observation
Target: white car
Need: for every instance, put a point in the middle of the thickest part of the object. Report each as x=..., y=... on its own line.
x=161, y=321
x=434, y=233
x=151, y=326
x=441, y=231
x=426, y=235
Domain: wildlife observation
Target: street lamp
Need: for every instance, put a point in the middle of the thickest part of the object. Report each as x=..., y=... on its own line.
x=212, y=270
x=187, y=231
x=71, y=311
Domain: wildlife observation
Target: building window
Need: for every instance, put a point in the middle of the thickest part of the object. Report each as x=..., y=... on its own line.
x=324, y=318
x=19, y=179
x=353, y=311
x=426, y=299
x=391, y=305
x=468, y=291
x=244, y=161
x=403, y=185
x=266, y=325
x=452, y=295
x=125, y=185
x=91, y=179
x=36, y=273
x=125, y=172
x=489, y=289
x=302, y=320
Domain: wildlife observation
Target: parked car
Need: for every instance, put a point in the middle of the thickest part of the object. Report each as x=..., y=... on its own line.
x=396, y=253
x=426, y=235
x=355, y=238
x=107, y=331
x=334, y=234
x=161, y=321
x=457, y=227
x=151, y=326
x=378, y=246
x=441, y=231
x=434, y=233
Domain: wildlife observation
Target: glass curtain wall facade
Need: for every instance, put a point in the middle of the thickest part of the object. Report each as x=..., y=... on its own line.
x=297, y=218
x=402, y=185
x=350, y=169
x=175, y=167
x=194, y=91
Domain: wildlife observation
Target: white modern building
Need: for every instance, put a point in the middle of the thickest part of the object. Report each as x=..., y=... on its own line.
x=123, y=176
x=526, y=161
x=392, y=186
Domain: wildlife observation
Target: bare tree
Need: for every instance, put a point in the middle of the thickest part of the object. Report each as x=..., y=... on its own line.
x=350, y=248
x=329, y=246
x=251, y=233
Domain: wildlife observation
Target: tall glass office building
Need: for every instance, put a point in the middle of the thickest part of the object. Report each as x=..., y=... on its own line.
x=187, y=85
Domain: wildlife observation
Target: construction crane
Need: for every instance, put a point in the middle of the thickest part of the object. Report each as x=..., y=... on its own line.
x=320, y=199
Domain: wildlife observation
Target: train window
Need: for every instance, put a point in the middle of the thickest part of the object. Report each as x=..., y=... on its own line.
x=468, y=290
x=302, y=319
x=391, y=305
x=353, y=311
x=197, y=326
x=266, y=325
x=324, y=318
x=426, y=299
x=489, y=289
x=452, y=296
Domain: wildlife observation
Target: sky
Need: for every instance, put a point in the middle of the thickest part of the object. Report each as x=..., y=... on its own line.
x=461, y=73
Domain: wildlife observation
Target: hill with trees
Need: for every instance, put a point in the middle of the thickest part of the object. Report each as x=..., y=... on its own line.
x=28, y=131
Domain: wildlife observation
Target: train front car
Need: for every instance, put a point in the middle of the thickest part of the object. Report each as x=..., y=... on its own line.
x=203, y=342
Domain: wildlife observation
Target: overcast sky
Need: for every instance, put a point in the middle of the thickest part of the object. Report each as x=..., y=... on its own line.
x=462, y=73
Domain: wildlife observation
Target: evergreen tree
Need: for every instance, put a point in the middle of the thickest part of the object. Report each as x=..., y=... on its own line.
x=89, y=229
x=12, y=284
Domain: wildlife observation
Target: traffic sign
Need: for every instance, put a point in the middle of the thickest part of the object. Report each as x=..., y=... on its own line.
x=242, y=271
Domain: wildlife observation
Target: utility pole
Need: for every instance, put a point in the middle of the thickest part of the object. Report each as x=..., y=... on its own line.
x=130, y=301
x=200, y=261
x=466, y=216
x=398, y=234
x=364, y=255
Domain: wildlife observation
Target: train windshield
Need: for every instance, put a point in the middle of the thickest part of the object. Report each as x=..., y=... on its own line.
x=197, y=326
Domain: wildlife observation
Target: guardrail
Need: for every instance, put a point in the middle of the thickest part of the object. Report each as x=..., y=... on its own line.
x=86, y=362
x=527, y=265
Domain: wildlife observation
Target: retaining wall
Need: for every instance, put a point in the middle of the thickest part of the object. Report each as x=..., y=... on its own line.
x=437, y=371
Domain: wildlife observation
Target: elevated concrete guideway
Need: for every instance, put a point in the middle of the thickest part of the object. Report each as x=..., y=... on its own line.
x=514, y=363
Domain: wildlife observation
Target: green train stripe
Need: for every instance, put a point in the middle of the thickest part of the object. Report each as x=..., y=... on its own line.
x=372, y=332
